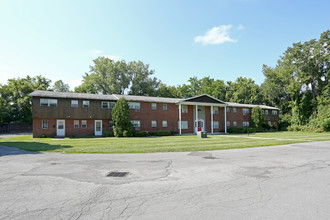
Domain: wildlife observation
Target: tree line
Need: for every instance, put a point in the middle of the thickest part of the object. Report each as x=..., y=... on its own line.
x=298, y=85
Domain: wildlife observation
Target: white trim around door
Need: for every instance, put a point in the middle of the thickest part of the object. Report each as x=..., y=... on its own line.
x=60, y=128
x=98, y=128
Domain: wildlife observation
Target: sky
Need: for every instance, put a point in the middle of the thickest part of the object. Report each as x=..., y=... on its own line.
x=179, y=39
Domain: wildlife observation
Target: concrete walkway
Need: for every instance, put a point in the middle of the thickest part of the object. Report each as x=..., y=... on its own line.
x=278, y=182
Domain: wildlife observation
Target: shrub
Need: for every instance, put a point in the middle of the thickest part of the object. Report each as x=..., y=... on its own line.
x=128, y=133
x=117, y=131
x=252, y=130
x=43, y=135
x=120, y=115
x=141, y=134
x=162, y=133
x=108, y=134
x=237, y=130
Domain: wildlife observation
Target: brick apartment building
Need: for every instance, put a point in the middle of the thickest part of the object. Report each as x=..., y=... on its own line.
x=80, y=114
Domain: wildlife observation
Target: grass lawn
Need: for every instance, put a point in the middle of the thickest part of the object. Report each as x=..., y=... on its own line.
x=160, y=144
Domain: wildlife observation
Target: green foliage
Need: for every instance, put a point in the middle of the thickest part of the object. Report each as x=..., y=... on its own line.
x=43, y=136
x=257, y=117
x=120, y=116
x=60, y=86
x=141, y=134
x=244, y=90
x=108, y=134
x=15, y=102
x=162, y=133
x=237, y=130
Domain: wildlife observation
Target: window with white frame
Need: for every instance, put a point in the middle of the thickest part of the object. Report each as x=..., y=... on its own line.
x=164, y=124
x=153, y=106
x=164, y=107
x=245, y=111
x=83, y=123
x=48, y=102
x=246, y=123
x=136, y=124
x=266, y=112
x=134, y=105
x=215, y=110
x=153, y=124
x=184, y=124
x=215, y=124
x=184, y=108
x=111, y=124
x=274, y=112
x=76, y=123
x=85, y=104
x=269, y=122
x=234, y=123
x=105, y=104
x=227, y=109
x=228, y=123
x=44, y=124
x=74, y=103
x=234, y=110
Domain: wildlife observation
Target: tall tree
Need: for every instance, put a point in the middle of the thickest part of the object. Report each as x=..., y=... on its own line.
x=120, y=115
x=257, y=118
x=244, y=90
x=60, y=86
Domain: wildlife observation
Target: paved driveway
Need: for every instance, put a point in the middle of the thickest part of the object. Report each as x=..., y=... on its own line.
x=279, y=182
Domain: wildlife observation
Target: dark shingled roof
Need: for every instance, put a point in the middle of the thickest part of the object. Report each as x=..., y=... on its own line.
x=51, y=94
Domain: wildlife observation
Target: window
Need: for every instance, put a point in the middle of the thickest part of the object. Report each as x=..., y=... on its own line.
x=105, y=104
x=164, y=107
x=153, y=106
x=228, y=123
x=111, y=124
x=245, y=111
x=274, y=112
x=246, y=124
x=85, y=104
x=48, y=102
x=184, y=124
x=269, y=122
x=44, y=124
x=234, y=110
x=227, y=109
x=153, y=124
x=215, y=124
x=266, y=112
x=215, y=110
x=136, y=124
x=74, y=103
x=184, y=109
x=164, y=124
x=83, y=124
x=234, y=123
x=134, y=105
x=76, y=123
x=274, y=123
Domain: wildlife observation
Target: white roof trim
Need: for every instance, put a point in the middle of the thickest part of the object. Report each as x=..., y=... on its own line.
x=201, y=96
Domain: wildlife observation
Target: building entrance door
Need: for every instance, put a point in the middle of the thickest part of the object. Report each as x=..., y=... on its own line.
x=98, y=127
x=199, y=125
x=60, y=128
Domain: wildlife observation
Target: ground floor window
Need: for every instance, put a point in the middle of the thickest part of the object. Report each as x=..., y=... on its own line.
x=234, y=123
x=269, y=122
x=76, y=123
x=246, y=123
x=215, y=124
x=153, y=124
x=184, y=124
x=136, y=124
x=228, y=123
x=83, y=124
x=44, y=124
x=164, y=123
x=111, y=124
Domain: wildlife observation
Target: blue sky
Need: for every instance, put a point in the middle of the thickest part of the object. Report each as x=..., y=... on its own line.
x=179, y=39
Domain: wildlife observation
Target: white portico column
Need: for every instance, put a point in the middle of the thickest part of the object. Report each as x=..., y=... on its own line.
x=212, y=119
x=196, y=123
x=180, y=118
x=225, y=120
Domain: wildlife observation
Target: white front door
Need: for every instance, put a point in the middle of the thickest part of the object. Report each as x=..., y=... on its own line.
x=60, y=128
x=98, y=127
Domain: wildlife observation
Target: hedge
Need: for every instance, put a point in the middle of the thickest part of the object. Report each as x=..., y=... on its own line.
x=162, y=133
x=141, y=134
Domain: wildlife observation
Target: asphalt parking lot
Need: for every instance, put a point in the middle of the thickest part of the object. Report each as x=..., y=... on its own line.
x=278, y=182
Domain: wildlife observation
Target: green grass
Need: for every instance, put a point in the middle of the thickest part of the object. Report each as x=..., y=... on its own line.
x=160, y=144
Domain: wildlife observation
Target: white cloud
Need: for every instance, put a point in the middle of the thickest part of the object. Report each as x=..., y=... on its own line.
x=216, y=35
x=95, y=52
x=240, y=27
x=115, y=58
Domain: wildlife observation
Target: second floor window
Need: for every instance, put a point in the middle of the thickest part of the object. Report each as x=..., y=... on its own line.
x=165, y=107
x=48, y=102
x=228, y=109
x=184, y=109
x=274, y=112
x=85, y=104
x=153, y=106
x=105, y=104
x=245, y=111
x=234, y=110
x=266, y=112
x=216, y=110
x=74, y=103
x=134, y=105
